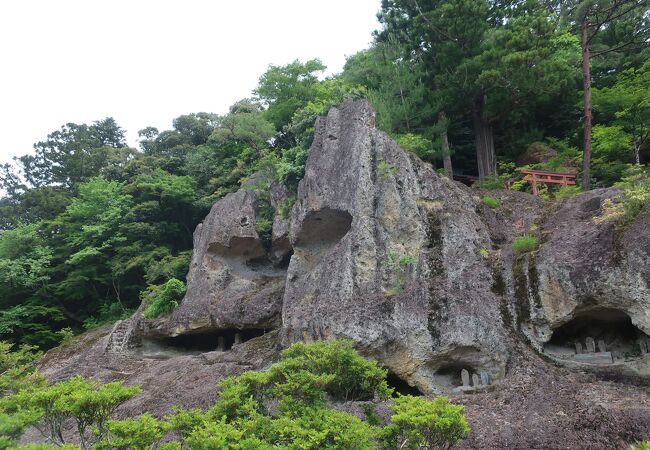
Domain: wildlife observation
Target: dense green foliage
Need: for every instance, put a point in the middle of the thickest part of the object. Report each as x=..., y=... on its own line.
x=162, y=299
x=298, y=403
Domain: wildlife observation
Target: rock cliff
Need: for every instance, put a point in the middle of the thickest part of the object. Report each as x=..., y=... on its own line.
x=422, y=276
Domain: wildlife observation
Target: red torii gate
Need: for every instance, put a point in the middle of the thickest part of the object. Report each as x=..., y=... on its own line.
x=535, y=176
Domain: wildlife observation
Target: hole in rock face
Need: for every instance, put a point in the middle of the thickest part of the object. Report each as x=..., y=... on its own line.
x=323, y=228
x=608, y=328
x=449, y=375
x=400, y=386
x=197, y=343
x=240, y=248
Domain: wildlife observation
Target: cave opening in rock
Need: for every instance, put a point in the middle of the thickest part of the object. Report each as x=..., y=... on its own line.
x=400, y=386
x=197, y=343
x=598, y=330
x=449, y=375
x=323, y=229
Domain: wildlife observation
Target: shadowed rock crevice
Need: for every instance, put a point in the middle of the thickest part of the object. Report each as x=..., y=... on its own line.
x=400, y=386
x=197, y=343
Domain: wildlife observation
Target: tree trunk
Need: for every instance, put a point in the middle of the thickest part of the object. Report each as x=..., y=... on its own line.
x=485, y=154
x=586, y=78
x=637, y=153
x=446, y=156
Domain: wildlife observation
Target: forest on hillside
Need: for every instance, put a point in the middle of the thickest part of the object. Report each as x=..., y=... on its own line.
x=90, y=226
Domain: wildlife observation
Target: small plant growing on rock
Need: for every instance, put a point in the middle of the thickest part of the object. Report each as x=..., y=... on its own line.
x=645, y=445
x=399, y=263
x=484, y=252
x=524, y=244
x=162, y=299
x=491, y=202
x=385, y=170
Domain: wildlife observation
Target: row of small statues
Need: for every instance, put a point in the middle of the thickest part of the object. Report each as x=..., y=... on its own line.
x=590, y=345
x=482, y=380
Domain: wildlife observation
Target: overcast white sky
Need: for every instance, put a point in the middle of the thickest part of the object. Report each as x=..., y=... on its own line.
x=145, y=62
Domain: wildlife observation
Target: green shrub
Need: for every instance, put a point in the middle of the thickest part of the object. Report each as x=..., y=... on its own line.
x=419, y=423
x=142, y=433
x=162, y=299
x=525, y=243
x=636, y=189
x=491, y=202
x=568, y=192
x=492, y=183
x=89, y=403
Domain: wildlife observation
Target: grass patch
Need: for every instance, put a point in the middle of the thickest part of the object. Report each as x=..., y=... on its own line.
x=524, y=244
x=491, y=202
x=568, y=192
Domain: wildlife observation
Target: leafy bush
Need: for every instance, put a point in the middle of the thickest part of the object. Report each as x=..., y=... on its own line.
x=644, y=445
x=137, y=434
x=491, y=202
x=89, y=403
x=420, y=423
x=525, y=243
x=417, y=144
x=636, y=188
x=568, y=192
x=162, y=299
x=636, y=195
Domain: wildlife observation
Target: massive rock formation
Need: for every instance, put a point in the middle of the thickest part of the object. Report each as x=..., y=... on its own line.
x=422, y=276
x=388, y=254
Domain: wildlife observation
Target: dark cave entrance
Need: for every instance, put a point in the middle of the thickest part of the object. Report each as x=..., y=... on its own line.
x=197, y=343
x=610, y=329
x=400, y=386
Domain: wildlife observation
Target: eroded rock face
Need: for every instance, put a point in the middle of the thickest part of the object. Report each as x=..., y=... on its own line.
x=234, y=281
x=593, y=278
x=387, y=253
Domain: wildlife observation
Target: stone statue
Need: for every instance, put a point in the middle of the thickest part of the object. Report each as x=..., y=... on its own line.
x=464, y=375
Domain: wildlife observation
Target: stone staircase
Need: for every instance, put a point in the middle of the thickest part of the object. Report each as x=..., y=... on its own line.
x=122, y=337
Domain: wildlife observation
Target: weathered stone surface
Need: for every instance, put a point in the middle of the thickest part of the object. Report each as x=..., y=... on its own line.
x=578, y=347
x=587, y=266
x=234, y=281
x=363, y=206
x=601, y=346
x=476, y=381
